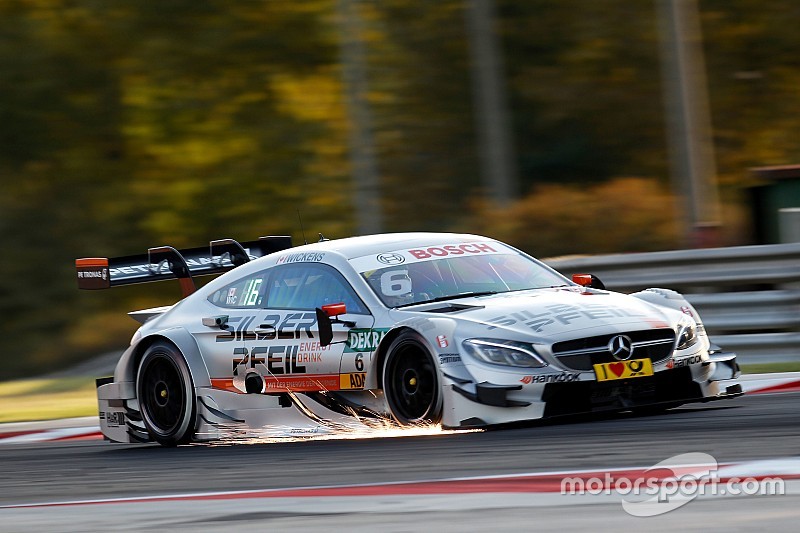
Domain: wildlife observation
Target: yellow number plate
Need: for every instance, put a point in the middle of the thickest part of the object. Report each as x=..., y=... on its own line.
x=635, y=368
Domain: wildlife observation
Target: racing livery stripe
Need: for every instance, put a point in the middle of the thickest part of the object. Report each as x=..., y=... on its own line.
x=225, y=384
x=298, y=383
x=302, y=383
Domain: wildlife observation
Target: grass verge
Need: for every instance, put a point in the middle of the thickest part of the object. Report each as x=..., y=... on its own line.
x=46, y=399
x=768, y=368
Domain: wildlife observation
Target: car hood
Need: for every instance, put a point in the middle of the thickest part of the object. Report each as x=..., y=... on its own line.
x=551, y=315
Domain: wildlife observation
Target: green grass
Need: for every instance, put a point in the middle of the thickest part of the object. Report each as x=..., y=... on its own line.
x=46, y=399
x=768, y=368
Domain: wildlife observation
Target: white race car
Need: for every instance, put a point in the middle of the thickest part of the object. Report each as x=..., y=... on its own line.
x=419, y=328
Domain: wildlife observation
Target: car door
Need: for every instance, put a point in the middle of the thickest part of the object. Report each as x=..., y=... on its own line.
x=285, y=343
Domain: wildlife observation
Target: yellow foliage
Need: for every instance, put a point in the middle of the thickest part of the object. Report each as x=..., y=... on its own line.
x=623, y=215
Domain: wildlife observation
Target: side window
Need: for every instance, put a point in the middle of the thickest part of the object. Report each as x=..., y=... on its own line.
x=246, y=293
x=310, y=285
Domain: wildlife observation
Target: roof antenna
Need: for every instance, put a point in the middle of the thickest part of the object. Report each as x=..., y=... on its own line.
x=322, y=238
x=302, y=230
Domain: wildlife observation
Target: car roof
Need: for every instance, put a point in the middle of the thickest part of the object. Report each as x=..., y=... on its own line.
x=352, y=247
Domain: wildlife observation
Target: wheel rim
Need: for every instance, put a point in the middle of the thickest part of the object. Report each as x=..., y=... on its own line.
x=412, y=390
x=163, y=393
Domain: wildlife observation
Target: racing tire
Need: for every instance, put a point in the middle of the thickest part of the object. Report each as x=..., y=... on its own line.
x=411, y=382
x=166, y=395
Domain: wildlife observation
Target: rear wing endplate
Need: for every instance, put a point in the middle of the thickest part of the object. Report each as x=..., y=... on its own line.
x=164, y=262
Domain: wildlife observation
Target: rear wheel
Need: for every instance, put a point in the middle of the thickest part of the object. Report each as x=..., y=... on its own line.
x=166, y=395
x=411, y=382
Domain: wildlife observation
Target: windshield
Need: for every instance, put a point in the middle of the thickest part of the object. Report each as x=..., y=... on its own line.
x=426, y=279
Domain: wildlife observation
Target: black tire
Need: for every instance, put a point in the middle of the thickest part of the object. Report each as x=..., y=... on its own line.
x=166, y=395
x=411, y=382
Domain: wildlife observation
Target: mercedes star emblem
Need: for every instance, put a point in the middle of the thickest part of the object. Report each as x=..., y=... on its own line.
x=621, y=347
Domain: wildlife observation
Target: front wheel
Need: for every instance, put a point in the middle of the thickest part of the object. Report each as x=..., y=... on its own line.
x=411, y=382
x=166, y=395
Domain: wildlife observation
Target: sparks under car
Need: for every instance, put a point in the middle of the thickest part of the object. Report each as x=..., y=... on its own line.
x=460, y=330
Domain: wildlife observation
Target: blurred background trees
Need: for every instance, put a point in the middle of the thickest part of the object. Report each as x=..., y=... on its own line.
x=128, y=125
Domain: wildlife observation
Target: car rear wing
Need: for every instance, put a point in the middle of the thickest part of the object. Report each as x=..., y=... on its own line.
x=165, y=262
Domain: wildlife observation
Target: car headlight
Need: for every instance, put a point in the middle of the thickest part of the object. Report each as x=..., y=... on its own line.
x=501, y=352
x=687, y=335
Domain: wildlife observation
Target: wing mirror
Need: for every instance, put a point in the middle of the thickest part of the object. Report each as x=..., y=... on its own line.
x=589, y=281
x=327, y=315
x=334, y=310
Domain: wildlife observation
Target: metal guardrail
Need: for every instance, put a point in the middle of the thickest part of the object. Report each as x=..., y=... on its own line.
x=711, y=268
x=748, y=296
x=762, y=347
x=764, y=311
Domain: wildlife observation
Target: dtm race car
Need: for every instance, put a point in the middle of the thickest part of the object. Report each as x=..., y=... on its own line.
x=417, y=328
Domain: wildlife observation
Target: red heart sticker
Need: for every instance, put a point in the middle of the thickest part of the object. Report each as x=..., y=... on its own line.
x=617, y=368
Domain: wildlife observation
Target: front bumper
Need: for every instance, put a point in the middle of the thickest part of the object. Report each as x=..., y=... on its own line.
x=484, y=404
x=725, y=366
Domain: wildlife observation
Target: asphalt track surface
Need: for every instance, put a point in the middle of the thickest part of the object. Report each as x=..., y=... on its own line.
x=748, y=428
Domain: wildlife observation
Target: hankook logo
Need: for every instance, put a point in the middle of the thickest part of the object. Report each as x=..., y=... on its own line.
x=621, y=347
x=391, y=259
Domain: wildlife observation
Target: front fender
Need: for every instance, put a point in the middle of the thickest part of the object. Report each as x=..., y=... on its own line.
x=670, y=299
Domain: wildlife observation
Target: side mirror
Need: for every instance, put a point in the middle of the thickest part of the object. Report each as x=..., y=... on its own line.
x=325, y=327
x=334, y=310
x=326, y=316
x=588, y=280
